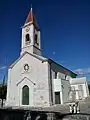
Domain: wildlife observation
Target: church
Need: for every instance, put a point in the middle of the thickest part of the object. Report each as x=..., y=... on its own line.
x=35, y=80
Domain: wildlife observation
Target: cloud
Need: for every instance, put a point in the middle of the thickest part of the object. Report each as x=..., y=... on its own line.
x=2, y=67
x=88, y=70
x=82, y=71
x=79, y=71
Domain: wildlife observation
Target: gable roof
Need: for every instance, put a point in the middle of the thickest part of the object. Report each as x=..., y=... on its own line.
x=34, y=55
x=43, y=59
x=65, y=69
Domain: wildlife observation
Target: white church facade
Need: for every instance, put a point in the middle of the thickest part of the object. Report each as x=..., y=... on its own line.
x=34, y=80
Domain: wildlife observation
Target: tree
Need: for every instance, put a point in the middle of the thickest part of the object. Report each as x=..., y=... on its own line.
x=3, y=91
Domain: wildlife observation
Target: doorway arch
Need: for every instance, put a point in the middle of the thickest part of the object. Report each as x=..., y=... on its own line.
x=25, y=95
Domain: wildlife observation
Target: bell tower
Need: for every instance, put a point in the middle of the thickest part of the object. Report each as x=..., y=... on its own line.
x=31, y=35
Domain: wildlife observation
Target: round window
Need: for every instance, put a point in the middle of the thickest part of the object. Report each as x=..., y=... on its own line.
x=26, y=67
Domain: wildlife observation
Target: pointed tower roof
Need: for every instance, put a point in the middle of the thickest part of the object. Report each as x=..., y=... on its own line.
x=31, y=19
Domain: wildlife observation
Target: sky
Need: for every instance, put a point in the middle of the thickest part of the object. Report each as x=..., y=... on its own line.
x=65, y=31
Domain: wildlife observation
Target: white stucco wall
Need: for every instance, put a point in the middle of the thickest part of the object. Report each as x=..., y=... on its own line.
x=76, y=82
x=62, y=86
x=38, y=74
x=65, y=90
x=62, y=78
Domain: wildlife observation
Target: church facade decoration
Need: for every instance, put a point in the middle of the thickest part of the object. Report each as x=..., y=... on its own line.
x=26, y=67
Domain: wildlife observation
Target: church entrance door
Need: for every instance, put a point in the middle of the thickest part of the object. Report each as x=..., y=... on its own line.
x=25, y=95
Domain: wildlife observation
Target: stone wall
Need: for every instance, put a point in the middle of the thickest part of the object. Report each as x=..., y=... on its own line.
x=77, y=117
x=21, y=114
x=9, y=114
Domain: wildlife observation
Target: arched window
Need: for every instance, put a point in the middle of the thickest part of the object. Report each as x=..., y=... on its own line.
x=25, y=95
x=36, y=39
x=27, y=39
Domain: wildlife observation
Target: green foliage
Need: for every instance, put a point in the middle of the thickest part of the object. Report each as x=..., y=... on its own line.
x=3, y=91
